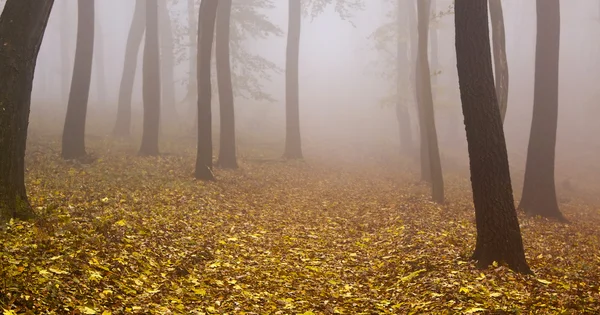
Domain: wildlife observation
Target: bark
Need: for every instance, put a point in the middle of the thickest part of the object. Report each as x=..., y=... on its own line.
x=227, y=155
x=539, y=192
x=134, y=41
x=498, y=232
x=167, y=63
x=151, y=82
x=293, y=143
x=500, y=62
x=424, y=152
x=22, y=27
x=99, y=65
x=402, y=73
x=65, y=49
x=425, y=101
x=73, y=138
x=206, y=29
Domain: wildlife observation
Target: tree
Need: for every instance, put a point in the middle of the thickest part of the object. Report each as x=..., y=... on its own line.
x=167, y=63
x=206, y=28
x=498, y=232
x=151, y=82
x=293, y=142
x=539, y=192
x=227, y=156
x=22, y=27
x=73, y=139
x=134, y=41
x=425, y=101
x=500, y=62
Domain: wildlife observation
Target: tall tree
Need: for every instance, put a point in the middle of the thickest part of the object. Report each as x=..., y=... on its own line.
x=293, y=142
x=500, y=62
x=134, y=41
x=425, y=101
x=402, y=75
x=539, y=192
x=227, y=155
x=22, y=27
x=73, y=139
x=167, y=63
x=151, y=82
x=206, y=29
x=498, y=232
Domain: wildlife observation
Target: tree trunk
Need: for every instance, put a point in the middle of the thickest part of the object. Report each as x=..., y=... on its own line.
x=414, y=45
x=99, y=65
x=434, y=51
x=539, y=193
x=402, y=73
x=151, y=82
x=192, y=88
x=134, y=41
x=426, y=103
x=65, y=49
x=227, y=156
x=206, y=29
x=22, y=27
x=500, y=62
x=498, y=232
x=73, y=139
x=293, y=143
x=167, y=64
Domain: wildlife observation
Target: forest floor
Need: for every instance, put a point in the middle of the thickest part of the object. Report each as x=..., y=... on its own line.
x=139, y=235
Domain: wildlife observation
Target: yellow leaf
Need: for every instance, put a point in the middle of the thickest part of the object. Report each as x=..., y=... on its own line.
x=9, y=312
x=200, y=291
x=463, y=290
x=412, y=275
x=107, y=313
x=87, y=310
x=475, y=310
x=121, y=222
x=543, y=281
x=58, y=271
x=495, y=294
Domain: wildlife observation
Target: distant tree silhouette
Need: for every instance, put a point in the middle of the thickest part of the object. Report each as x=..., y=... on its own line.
x=293, y=142
x=151, y=82
x=498, y=232
x=22, y=27
x=227, y=155
x=73, y=139
x=206, y=29
x=539, y=191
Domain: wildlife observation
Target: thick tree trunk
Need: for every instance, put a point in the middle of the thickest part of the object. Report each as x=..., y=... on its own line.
x=134, y=41
x=402, y=73
x=500, y=62
x=65, y=49
x=498, y=232
x=539, y=192
x=73, y=139
x=151, y=82
x=99, y=65
x=227, y=155
x=293, y=143
x=167, y=64
x=414, y=47
x=206, y=29
x=426, y=103
x=22, y=27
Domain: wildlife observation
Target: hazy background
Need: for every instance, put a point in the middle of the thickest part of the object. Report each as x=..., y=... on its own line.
x=341, y=87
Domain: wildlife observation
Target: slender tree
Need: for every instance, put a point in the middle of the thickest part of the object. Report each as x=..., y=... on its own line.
x=227, y=156
x=206, y=29
x=498, y=232
x=539, y=192
x=134, y=41
x=402, y=75
x=293, y=143
x=151, y=82
x=425, y=101
x=22, y=27
x=167, y=63
x=500, y=62
x=73, y=139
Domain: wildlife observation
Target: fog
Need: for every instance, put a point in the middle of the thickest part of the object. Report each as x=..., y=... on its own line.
x=342, y=82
